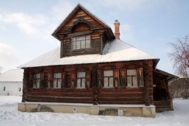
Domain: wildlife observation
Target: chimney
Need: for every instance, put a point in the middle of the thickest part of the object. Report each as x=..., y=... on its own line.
x=117, y=33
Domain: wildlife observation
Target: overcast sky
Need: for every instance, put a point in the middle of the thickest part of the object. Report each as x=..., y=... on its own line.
x=26, y=26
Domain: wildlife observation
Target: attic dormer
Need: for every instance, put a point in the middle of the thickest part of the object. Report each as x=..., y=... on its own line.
x=82, y=33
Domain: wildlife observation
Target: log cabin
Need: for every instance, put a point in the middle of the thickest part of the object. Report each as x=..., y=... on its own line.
x=93, y=66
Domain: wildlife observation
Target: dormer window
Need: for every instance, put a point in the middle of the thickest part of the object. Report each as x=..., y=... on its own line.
x=81, y=42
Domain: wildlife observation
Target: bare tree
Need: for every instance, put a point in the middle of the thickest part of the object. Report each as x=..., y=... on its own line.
x=180, y=58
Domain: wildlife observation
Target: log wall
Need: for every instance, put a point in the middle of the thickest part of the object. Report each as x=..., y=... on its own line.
x=94, y=93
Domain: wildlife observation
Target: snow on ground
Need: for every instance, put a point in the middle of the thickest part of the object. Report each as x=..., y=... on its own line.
x=10, y=116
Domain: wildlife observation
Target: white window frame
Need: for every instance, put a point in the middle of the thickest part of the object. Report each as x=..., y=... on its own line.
x=109, y=79
x=36, y=83
x=57, y=80
x=132, y=78
x=81, y=80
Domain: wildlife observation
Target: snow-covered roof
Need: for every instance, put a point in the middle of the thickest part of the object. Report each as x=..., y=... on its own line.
x=114, y=51
x=13, y=75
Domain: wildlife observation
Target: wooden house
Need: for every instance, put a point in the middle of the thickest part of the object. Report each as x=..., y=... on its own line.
x=93, y=66
x=11, y=82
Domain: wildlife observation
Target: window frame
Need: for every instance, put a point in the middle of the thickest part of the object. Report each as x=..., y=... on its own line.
x=108, y=77
x=57, y=80
x=80, y=80
x=77, y=43
x=36, y=81
x=132, y=79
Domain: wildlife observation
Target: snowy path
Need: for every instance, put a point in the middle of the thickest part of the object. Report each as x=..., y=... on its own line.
x=9, y=116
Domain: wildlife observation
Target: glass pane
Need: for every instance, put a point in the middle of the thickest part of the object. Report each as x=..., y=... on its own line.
x=108, y=73
x=73, y=39
x=131, y=72
x=78, y=45
x=80, y=74
x=54, y=83
x=105, y=82
x=49, y=84
x=88, y=43
x=78, y=83
x=35, y=84
x=37, y=75
x=38, y=83
x=59, y=83
x=80, y=38
x=57, y=75
x=82, y=44
x=129, y=82
x=83, y=83
x=73, y=45
x=135, y=83
x=111, y=82
x=88, y=37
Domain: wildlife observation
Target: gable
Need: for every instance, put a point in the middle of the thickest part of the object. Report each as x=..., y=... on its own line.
x=79, y=16
x=83, y=18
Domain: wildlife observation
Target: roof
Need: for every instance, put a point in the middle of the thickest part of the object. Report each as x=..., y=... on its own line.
x=79, y=6
x=13, y=75
x=115, y=50
x=168, y=75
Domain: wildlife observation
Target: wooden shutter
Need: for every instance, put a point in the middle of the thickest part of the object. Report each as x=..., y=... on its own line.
x=73, y=80
x=88, y=79
x=41, y=80
x=99, y=73
x=116, y=78
x=123, y=80
x=49, y=83
x=31, y=80
x=140, y=77
x=63, y=81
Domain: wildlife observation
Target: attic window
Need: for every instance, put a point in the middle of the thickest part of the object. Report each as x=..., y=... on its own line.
x=81, y=42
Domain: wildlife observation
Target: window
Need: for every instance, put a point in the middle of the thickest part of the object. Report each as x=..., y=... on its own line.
x=132, y=78
x=81, y=80
x=108, y=79
x=81, y=42
x=36, y=83
x=57, y=80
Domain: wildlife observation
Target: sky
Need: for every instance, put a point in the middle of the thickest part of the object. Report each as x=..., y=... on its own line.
x=149, y=25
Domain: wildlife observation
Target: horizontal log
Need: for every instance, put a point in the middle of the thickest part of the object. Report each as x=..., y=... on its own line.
x=120, y=102
x=60, y=99
x=120, y=98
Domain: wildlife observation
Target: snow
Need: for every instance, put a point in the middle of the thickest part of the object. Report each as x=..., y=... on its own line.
x=116, y=51
x=13, y=75
x=10, y=116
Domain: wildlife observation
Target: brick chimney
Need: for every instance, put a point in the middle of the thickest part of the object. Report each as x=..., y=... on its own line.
x=117, y=33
